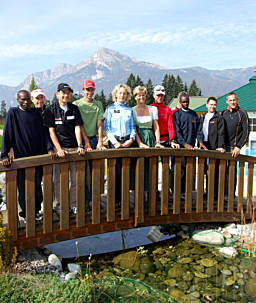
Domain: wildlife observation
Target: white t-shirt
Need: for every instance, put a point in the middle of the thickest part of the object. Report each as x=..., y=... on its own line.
x=64, y=107
x=144, y=119
x=207, y=119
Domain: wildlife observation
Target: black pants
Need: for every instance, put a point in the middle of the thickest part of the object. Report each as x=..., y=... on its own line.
x=21, y=189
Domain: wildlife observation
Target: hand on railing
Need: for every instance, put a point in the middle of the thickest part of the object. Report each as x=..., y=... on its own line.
x=7, y=162
x=174, y=145
x=220, y=149
x=81, y=151
x=61, y=153
x=52, y=154
x=158, y=145
x=100, y=146
x=236, y=152
x=142, y=145
x=202, y=146
x=188, y=146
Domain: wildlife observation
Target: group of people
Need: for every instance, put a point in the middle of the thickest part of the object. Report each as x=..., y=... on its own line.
x=79, y=126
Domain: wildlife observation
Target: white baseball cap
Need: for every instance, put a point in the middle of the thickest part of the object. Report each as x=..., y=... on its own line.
x=159, y=90
x=36, y=92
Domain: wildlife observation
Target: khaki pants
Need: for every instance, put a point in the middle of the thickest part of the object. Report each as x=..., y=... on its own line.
x=72, y=181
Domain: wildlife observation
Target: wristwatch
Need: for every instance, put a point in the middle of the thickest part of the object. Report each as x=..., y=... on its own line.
x=81, y=146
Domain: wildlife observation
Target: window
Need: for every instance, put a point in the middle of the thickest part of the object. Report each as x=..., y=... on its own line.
x=252, y=124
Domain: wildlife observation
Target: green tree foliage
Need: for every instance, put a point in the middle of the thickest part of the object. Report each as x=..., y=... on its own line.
x=3, y=109
x=102, y=99
x=109, y=100
x=194, y=90
x=32, y=84
x=150, y=90
x=54, y=99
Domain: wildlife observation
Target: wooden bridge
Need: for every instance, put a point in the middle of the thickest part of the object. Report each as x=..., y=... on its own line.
x=102, y=216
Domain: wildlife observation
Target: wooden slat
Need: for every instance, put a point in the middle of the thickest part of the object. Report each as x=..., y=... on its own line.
x=96, y=165
x=64, y=196
x=47, y=198
x=210, y=189
x=194, y=173
x=177, y=184
x=125, y=189
x=221, y=185
x=231, y=185
x=240, y=187
x=80, y=193
x=249, y=188
x=88, y=176
x=165, y=186
x=11, y=202
x=139, y=191
x=111, y=197
x=189, y=185
x=200, y=186
x=102, y=176
x=30, y=201
x=152, y=185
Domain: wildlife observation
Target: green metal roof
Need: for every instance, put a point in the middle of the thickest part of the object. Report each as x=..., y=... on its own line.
x=194, y=102
x=246, y=95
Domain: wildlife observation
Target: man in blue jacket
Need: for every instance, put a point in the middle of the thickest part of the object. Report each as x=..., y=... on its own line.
x=24, y=132
x=187, y=130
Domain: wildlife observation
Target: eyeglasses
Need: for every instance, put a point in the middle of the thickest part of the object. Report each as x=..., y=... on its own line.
x=24, y=99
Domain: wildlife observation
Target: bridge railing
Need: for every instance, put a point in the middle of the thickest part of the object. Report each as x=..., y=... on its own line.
x=135, y=210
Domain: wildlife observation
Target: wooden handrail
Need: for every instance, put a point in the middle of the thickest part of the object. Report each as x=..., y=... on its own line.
x=137, y=209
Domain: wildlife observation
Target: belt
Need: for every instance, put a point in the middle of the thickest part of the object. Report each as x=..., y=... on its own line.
x=122, y=139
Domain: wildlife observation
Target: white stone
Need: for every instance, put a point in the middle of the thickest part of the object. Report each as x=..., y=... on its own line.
x=55, y=261
x=72, y=267
x=71, y=275
x=233, y=231
x=228, y=251
x=209, y=237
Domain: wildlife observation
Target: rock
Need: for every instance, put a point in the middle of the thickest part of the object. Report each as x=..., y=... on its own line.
x=211, y=271
x=188, y=276
x=229, y=281
x=207, y=262
x=184, y=260
x=177, y=271
x=226, y=272
x=176, y=294
x=72, y=267
x=71, y=275
x=228, y=251
x=201, y=275
x=209, y=237
x=30, y=255
x=55, y=261
x=170, y=282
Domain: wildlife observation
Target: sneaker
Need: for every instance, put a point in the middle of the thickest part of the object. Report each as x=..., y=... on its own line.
x=72, y=210
x=38, y=217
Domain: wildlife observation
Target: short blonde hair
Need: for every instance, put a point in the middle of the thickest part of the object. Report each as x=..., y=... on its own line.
x=138, y=90
x=117, y=87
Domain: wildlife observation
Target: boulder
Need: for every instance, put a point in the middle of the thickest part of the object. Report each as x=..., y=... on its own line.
x=55, y=261
x=71, y=275
x=228, y=251
x=209, y=237
x=72, y=267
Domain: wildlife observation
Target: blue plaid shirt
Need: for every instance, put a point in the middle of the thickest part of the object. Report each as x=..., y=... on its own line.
x=119, y=122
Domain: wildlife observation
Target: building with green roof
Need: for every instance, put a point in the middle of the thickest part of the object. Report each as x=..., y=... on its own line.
x=194, y=102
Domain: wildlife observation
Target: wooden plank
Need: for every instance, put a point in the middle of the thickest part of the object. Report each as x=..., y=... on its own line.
x=210, y=189
x=221, y=185
x=30, y=201
x=80, y=193
x=111, y=196
x=231, y=185
x=177, y=184
x=64, y=196
x=240, y=187
x=88, y=176
x=125, y=198
x=200, y=186
x=165, y=186
x=102, y=176
x=249, y=188
x=152, y=185
x=139, y=191
x=189, y=184
x=47, y=198
x=194, y=173
x=11, y=202
x=96, y=165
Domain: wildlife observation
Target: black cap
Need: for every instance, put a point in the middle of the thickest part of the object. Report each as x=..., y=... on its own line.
x=63, y=87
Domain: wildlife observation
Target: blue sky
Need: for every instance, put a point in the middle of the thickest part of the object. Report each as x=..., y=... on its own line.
x=37, y=35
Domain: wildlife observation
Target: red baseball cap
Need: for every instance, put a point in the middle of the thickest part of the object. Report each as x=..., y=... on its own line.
x=88, y=83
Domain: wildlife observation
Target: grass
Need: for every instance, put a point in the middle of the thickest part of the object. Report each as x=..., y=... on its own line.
x=47, y=288
x=1, y=126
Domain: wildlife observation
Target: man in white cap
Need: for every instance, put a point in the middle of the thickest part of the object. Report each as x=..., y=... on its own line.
x=38, y=99
x=167, y=132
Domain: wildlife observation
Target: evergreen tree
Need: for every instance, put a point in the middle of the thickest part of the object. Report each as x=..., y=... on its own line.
x=194, y=90
x=32, y=84
x=102, y=99
x=139, y=81
x=3, y=109
x=180, y=84
x=131, y=81
x=150, y=90
x=185, y=87
x=54, y=99
x=109, y=100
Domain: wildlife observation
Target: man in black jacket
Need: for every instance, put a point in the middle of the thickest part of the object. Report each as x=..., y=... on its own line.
x=212, y=125
x=236, y=128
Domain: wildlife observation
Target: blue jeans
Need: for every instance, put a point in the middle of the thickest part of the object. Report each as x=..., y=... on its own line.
x=88, y=193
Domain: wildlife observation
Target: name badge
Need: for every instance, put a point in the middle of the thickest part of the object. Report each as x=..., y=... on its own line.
x=70, y=117
x=58, y=122
x=117, y=111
